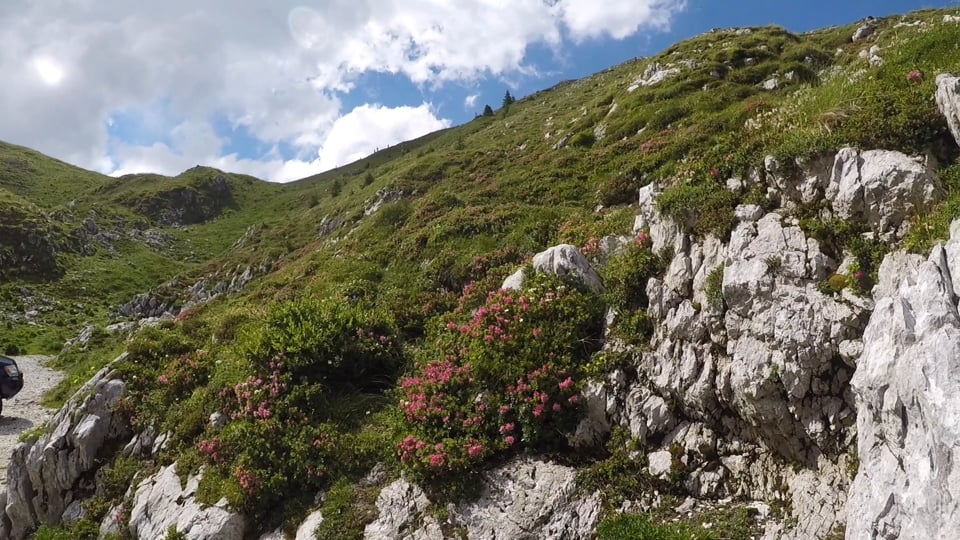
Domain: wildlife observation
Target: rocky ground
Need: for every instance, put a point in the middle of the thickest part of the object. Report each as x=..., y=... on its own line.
x=24, y=411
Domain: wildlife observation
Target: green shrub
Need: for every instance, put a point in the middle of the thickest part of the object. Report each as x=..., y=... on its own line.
x=713, y=288
x=346, y=511
x=326, y=342
x=504, y=377
x=834, y=284
x=705, y=207
x=626, y=276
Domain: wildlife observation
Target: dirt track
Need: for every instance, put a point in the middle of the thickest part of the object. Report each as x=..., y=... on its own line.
x=24, y=411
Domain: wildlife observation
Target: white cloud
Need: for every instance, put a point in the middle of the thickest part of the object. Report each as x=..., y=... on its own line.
x=470, y=101
x=279, y=70
x=369, y=127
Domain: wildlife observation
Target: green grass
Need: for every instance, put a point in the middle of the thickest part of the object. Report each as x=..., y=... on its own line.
x=722, y=524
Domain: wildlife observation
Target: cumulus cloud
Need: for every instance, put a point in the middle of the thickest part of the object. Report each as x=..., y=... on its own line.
x=470, y=101
x=278, y=70
x=367, y=128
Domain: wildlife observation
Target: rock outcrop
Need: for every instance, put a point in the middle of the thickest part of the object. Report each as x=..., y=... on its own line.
x=525, y=499
x=160, y=503
x=948, y=100
x=908, y=405
x=881, y=188
x=49, y=474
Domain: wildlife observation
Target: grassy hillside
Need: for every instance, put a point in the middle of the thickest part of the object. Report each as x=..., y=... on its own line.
x=377, y=281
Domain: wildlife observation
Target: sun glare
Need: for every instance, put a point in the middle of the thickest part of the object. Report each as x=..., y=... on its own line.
x=48, y=70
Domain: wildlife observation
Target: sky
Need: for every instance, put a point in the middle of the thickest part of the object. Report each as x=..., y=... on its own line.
x=285, y=89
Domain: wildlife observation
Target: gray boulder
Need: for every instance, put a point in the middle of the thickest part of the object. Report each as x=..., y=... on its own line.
x=564, y=261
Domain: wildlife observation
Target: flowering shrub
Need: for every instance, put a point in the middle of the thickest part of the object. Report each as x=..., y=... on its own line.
x=182, y=375
x=504, y=376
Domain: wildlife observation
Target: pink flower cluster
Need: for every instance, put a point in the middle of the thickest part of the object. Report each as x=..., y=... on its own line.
x=427, y=395
x=248, y=480
x=591, y=247
x=643, y=239
x=915, y=75
x=251, y=398
x=534, y=391
x=185, y=371
x=211, y=449
x=370, y=335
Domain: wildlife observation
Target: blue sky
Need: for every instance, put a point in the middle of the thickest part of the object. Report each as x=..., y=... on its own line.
x=285, y=89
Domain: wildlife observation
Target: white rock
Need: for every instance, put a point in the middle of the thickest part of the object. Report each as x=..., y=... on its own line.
x=42, y=474
x=660, y=463
x=160, y=503
x=895, y=267
x=521, y=496
x=883, y=188
x=664, y=231
x=748, y=212
x=401, y=506
x=530, y=495
x=308, y=529
x=908, y=412
x=564, y=261
x=653, y=75
x=948, y=101
x=864, y=31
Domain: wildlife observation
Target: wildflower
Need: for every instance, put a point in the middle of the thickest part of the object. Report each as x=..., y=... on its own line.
x=163, y=379
x=915, y=75
x=556, y=407
x=537, y=332
x=859, y=275
x=474, y=450
x=507, y=428
x=566, y=383
x=438, y=460
x=509, y=440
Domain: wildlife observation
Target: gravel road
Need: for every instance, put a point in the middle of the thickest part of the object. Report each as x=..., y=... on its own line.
x=24, y=411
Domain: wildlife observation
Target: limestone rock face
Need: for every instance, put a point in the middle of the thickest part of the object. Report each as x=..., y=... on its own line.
x=908, y=405
x=44, y=476
x=401, y=506
x=881, y=187
x=564, y=261
x=948, y=100
x=525, y=499
x=530, y=499
x=160, y=503
x=783, y=336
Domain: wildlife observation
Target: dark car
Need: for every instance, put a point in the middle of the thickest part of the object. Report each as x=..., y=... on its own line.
x=11, y=379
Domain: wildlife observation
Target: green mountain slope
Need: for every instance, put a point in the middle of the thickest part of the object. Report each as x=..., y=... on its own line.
x=358, y=271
